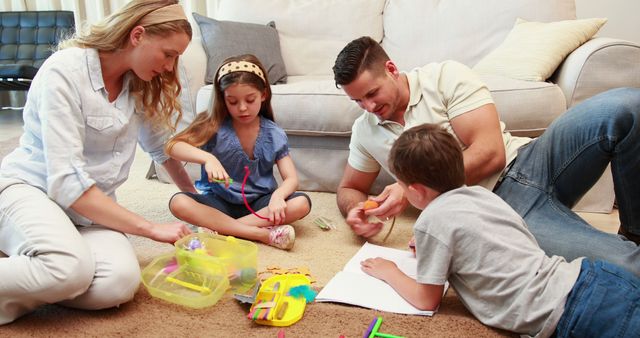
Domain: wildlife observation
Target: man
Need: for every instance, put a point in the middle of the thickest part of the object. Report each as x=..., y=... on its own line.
x=541, y=179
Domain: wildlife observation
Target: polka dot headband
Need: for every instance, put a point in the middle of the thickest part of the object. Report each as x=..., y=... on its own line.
x=240, y=66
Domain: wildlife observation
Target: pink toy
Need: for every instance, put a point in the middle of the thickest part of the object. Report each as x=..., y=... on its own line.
x=244, y=182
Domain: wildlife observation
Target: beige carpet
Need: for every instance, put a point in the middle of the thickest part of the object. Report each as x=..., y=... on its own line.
x=323, y=252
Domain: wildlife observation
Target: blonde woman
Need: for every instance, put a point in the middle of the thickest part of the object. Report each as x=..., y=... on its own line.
x=102, y=92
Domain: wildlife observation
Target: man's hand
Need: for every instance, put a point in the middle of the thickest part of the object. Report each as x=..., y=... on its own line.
x=379, y=268
x=359, y=223
x=392, y=202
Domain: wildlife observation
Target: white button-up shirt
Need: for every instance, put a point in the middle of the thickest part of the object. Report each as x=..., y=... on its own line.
x=73, y=136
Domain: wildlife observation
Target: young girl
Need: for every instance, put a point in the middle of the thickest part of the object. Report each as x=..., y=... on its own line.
x=239, y=138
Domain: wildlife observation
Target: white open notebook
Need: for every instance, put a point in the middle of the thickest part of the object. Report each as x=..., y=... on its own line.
x=353, y=286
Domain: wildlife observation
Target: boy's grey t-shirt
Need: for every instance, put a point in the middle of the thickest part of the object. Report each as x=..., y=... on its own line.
x=475, y=240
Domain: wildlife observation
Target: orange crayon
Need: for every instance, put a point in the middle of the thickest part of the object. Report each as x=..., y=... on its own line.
x=369, y=204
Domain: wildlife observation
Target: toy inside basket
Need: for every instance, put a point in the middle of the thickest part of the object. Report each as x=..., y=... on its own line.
x=238, y=256
x=184, y=284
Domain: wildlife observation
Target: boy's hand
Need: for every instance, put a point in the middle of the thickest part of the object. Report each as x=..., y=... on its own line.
x=379, y=267
x=359, y=223
x=277, y=207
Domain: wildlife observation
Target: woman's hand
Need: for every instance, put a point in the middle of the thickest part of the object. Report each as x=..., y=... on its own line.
x=277, y=208
x=169, y=232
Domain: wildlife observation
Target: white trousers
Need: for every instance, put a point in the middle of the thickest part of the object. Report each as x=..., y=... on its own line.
x=47, y=259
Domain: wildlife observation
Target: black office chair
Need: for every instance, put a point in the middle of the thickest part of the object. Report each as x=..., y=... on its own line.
x=26, y=40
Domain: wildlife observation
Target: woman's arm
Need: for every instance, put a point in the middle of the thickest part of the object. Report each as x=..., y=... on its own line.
x=425, y=297
x=101, y=209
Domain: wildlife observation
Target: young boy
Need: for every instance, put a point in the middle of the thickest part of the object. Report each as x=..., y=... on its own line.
x=474, y=239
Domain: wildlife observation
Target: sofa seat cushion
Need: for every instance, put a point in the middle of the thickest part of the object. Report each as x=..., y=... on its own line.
x=306, y=105
x=526, y=107
x=312, y=105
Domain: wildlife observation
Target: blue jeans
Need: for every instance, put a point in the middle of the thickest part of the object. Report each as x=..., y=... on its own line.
x=604, y=302
x=554, y=171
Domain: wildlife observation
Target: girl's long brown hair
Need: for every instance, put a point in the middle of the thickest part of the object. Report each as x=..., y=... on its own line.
x=206, y=124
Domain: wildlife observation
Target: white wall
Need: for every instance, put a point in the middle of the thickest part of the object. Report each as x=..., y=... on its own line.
x=622, y=14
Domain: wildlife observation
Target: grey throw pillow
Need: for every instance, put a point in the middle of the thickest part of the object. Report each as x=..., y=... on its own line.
x=222, y=39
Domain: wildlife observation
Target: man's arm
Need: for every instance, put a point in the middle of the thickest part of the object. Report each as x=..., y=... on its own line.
x=479, y=130
x=354, y=188
x=351, y=193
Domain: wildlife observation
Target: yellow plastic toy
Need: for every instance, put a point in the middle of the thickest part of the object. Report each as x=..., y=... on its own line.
x=274, y=305
x=206, y=251
x=186, y=285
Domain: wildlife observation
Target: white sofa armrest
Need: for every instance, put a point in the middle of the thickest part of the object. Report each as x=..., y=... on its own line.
x=194, y=60
x=598, y=65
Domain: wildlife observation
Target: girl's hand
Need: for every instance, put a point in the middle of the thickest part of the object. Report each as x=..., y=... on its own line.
x=277, y=207
x=379, y=268
x=169, y=232
x=215, y=171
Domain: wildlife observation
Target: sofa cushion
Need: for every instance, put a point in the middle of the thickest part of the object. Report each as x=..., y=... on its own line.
x=417, y=32
x=312, y=105
x=306, y=105
x=533, y=50
x=223, y=39
x=311, y=32
x=526, y=107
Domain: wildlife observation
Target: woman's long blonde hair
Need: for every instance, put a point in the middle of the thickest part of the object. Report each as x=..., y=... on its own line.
x=159, y=97
x=206, y=124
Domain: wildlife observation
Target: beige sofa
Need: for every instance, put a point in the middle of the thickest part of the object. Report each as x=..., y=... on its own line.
x=318, y=117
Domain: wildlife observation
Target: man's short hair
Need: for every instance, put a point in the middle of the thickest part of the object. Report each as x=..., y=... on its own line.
x=361, y=54
x=429, y=155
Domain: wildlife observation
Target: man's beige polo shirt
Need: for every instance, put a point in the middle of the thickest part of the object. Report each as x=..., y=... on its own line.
x=439, y=92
